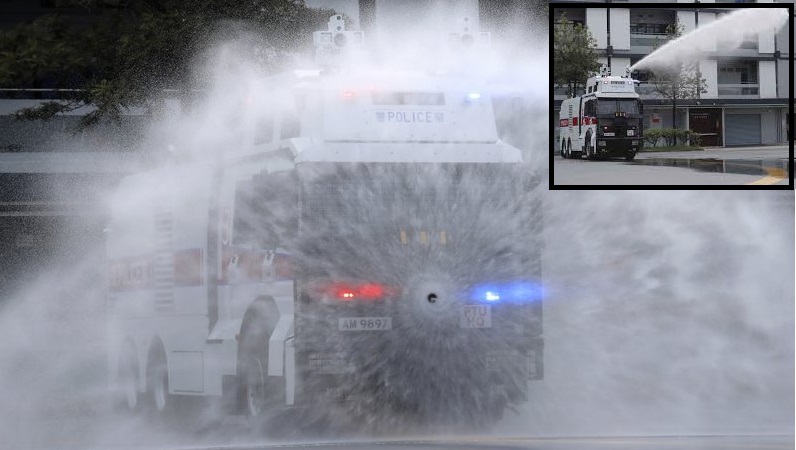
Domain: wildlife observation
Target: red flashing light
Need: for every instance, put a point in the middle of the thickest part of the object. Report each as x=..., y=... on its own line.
x=356, y=291
x=348, y=95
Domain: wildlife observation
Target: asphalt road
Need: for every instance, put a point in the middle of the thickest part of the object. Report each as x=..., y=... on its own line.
x=716, y=167
x=596, y=443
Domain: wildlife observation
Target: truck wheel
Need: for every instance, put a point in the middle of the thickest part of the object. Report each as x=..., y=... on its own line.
x=260, y=392
x=158, y=382
x=561, y=150
x=129, y=399
x=630, y=156
x=589, y=150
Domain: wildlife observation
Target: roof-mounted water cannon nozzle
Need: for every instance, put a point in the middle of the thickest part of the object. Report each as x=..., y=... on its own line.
x=605, y=71
x=336, y=39
x=468, y=36
x=627, y=72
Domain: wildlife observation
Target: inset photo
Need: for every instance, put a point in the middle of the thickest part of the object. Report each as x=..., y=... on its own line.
x=671, y=94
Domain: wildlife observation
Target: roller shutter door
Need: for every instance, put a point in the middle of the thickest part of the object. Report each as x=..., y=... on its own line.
x=742, y=129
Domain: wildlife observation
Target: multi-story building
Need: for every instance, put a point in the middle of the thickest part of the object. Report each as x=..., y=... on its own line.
x=748, y=88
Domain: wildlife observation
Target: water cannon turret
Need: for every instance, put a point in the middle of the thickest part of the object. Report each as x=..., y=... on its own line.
x=627, y=72
x=332, y=42
x=605, y=71
x=465, y=36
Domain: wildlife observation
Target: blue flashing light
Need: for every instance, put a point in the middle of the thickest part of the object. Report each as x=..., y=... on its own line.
x=507, y=292
x=472, y=96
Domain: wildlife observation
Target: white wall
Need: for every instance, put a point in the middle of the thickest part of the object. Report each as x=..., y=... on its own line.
x=620, y=28
x=768, y=79
x=686, y=18
x=710, y=72
x=597, y=21
x=618, y=65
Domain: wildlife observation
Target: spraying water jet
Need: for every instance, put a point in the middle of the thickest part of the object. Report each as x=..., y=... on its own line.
x=728, y=31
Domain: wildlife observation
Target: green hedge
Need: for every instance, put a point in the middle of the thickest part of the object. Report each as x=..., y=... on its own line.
x=671, y=137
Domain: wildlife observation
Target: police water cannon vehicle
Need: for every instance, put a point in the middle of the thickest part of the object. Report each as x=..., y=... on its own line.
x=605, y=121
x=352, y=253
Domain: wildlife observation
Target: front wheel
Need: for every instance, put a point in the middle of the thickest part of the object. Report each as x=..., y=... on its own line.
x=630, y=156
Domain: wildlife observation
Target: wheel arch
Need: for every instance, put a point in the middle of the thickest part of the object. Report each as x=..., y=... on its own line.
x=256, y=310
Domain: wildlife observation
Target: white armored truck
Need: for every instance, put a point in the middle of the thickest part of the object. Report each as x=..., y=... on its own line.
x=365, y=244
x=604, y=122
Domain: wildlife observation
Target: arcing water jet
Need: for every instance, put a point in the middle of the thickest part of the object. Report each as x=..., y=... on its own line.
x=728, y=31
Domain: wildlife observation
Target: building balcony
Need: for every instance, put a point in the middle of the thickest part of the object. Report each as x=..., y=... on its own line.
x=739, y=90
x=645, y=43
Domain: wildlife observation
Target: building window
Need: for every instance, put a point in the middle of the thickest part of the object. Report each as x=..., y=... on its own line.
x=648, y=28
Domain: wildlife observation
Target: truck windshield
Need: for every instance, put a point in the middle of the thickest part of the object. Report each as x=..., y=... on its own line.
x=609, y=106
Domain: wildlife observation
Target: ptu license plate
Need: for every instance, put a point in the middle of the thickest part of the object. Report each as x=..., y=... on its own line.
x=476, y=316
x=364, y=323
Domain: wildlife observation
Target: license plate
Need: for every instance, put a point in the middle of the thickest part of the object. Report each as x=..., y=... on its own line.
x=364, y=323
x=476, y=316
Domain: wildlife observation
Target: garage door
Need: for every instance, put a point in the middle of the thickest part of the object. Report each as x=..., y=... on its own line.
x=742, y=129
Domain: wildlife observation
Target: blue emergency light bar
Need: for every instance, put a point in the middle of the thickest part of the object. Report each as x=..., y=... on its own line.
x=506, y=292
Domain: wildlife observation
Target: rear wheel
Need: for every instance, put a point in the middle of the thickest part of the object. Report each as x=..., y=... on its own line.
x=129, y=398
x=589, y=149
x=260, y=392
x=162, y=403
x=630, y=156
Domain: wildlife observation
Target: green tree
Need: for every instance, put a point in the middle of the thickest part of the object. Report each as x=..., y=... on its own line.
x=115, y=54
x=574, y=54
x=678, y=80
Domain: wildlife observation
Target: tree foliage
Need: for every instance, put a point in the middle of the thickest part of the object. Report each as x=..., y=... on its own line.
x=574, y=54
x=680, y=79
x=116, y=54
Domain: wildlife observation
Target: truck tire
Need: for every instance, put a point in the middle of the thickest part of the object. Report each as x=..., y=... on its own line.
x=162, y=403
x=630, y=156
x=259, y=391
x=129, y=399
x=561, y=150
x=589, y=150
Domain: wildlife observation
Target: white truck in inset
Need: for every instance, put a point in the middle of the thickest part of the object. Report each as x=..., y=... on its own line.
x=366, y=246
x=606, y=121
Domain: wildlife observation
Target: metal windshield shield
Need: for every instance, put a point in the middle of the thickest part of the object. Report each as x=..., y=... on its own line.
x=617, y=106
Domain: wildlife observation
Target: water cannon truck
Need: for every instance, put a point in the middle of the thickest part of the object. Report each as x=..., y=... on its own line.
x=340, y=258
x=603, y=122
